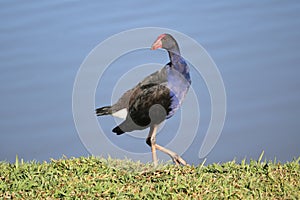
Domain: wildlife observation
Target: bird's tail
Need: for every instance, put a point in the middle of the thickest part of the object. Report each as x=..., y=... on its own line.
x=106, y=110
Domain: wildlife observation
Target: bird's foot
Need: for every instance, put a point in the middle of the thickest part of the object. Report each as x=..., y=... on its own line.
x=175, y=157
x=178, y=160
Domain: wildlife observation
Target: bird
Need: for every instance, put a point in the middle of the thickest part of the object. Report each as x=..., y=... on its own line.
x=155, y=99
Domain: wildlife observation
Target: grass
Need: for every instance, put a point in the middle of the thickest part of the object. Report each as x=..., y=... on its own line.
x=91, y=177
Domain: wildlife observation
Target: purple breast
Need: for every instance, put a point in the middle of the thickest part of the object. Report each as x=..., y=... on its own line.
x=178, y=83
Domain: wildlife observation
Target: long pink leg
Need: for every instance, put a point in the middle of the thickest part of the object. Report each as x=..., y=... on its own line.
x=151, y=141
x=175, y=157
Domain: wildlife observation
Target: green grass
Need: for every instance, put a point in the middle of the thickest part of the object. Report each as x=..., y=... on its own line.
x=92, y=177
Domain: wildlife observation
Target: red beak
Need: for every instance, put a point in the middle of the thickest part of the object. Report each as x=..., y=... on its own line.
x=157, y=44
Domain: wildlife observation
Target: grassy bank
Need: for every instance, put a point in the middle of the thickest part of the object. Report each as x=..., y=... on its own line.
x=99, y=178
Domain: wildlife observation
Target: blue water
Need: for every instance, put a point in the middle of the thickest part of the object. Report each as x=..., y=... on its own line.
x=254, y=44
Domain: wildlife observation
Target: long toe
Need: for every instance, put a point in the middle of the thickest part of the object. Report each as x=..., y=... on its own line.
x=178, y=160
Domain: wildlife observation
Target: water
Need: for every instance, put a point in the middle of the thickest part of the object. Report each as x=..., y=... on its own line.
x=254, y=44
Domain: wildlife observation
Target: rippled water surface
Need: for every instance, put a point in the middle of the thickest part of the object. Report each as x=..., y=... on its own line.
x=254, y=44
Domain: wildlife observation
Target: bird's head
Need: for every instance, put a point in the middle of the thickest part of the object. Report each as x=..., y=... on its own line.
x=165, y=41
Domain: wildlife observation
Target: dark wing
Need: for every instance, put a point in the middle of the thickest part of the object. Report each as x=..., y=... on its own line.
x=157, y=77
x=148, y=104
x=123, y=102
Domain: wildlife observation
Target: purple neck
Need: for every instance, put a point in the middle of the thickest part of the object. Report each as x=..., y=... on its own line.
x=177, y=61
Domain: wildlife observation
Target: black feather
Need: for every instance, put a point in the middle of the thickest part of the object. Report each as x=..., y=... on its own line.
x=106, y=110
x=118, y=130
